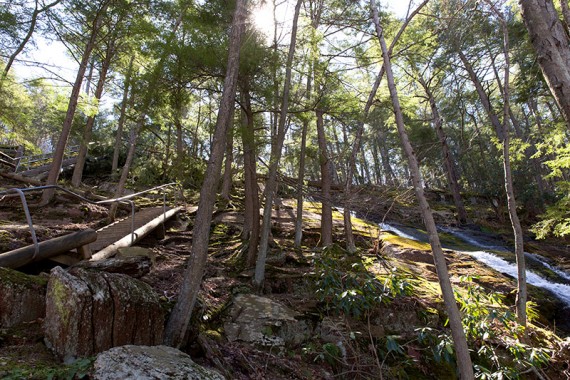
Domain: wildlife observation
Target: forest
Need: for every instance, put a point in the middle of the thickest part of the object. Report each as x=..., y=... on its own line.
x=385, y=133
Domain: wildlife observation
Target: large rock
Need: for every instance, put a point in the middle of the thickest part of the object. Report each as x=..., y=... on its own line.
x=264, y=322
x=22, y=297
x=149, y=363
x=90, y=312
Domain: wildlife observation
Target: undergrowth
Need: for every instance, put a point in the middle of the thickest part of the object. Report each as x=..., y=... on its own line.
x=500, y=347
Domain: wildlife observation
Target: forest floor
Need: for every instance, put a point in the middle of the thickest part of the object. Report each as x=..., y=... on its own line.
x=401, y=335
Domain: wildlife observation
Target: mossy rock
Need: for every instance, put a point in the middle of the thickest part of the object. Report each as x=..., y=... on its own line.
x=23, y=297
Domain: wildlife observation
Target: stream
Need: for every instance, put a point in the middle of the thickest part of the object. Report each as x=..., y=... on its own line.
x=487, y=249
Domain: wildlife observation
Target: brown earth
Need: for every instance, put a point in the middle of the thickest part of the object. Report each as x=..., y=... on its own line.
x=290, y=280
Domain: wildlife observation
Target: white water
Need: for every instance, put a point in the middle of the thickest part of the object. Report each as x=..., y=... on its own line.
x=562, y=291
x=537, y=258
x=397, y=231
x=556, y=270
x=469, y=239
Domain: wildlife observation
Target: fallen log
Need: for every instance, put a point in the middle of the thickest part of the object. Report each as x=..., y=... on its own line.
x=47, y=249
x=21, y=178
x=134, y=266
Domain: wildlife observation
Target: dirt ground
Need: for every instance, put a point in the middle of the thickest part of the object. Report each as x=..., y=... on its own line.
x=290, y=280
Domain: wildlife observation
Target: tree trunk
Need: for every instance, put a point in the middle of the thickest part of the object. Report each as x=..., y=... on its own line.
x=251, y=222
x=300, y=182
x=127, y=167
x=276, y=148
x=72, y=106
x=448, y=160
x=350, y=246
x=82, y=154
x=326, y=181
x=464, y=364
x=122, y=117
x=227, y=177
x=482, y=96
x=550, y=42
x=182, y=312
x=509, y=188
x=167, y=153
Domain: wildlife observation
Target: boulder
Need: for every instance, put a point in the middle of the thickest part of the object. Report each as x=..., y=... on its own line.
x=264, y=322
x=89, y=312
x=22, y=297
x=149, y=363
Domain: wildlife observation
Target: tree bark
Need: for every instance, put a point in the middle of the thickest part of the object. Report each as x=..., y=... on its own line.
x=227, y=177
x=182, y=312
x=464, y=363
x=550, y=42
x=251, y=222
x=276, y=148
x=72, y=106
x=326, y=181
x=300, y=182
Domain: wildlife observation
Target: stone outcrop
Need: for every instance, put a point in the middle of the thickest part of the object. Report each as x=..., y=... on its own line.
x=22, y=297
x=264, y=322
x=146, y=363
x=90, y=312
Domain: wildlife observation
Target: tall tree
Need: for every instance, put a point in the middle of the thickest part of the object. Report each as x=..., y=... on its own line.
x=448, y=159
x=502, y=131
x=59, y=152
x=350, y=246
x=465, y=366
x=326, y=182
x=251, y=218
x=182, y=312
x=82, y=154
x=276, y=148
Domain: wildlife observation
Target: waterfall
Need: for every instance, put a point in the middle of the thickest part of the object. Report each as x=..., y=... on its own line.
x=561, y=291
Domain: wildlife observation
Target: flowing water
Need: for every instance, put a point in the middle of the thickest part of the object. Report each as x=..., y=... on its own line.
x=559, y=286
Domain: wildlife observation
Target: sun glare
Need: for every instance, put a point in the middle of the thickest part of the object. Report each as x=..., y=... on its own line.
x=262, y=17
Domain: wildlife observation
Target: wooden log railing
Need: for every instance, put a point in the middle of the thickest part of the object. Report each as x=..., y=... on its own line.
x=47, y=249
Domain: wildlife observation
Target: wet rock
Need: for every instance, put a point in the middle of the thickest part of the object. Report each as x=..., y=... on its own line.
x=22, y=297
x=264, y=322
x=90, y=312
x=399, y=252
x=149, y=363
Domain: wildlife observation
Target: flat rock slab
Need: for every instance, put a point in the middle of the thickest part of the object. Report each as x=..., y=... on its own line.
x=22, y=297
x=149, y=363
x=262, y=321
x=89, y=312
